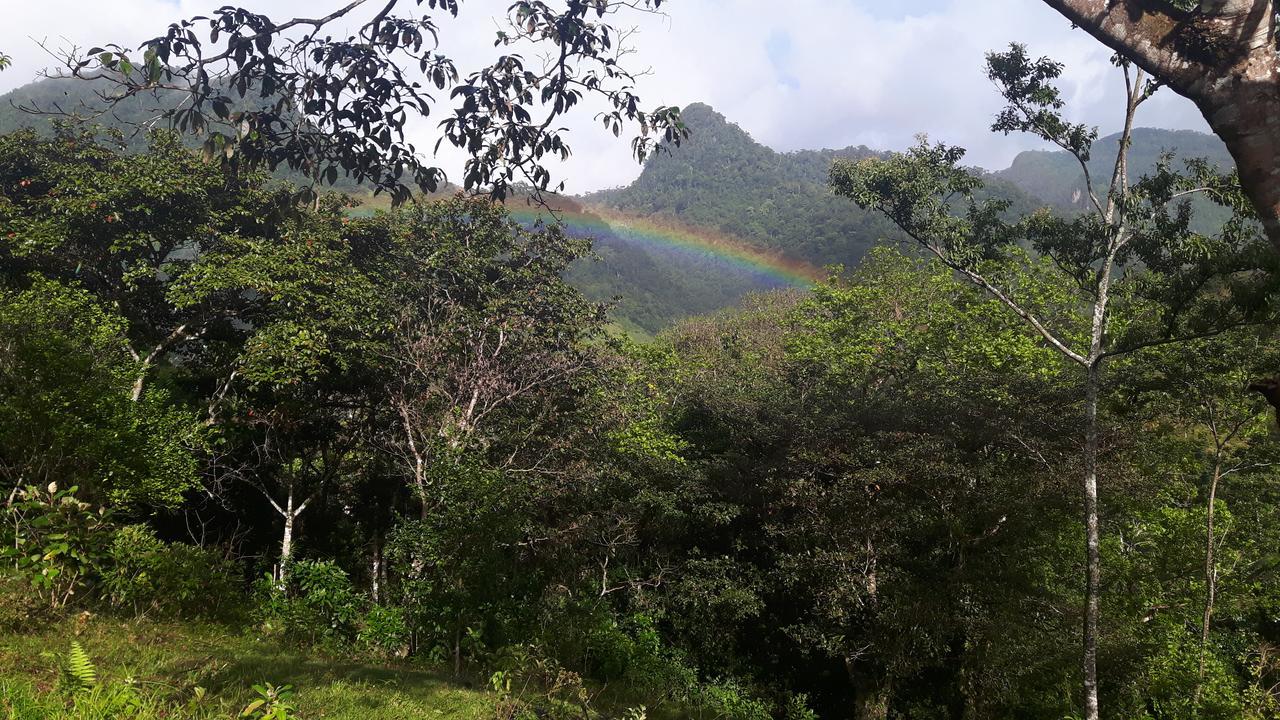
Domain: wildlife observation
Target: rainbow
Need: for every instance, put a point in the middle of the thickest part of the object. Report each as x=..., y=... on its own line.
x=671, y=237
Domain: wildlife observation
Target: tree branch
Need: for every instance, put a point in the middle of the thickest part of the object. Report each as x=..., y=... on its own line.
x=1144, y=31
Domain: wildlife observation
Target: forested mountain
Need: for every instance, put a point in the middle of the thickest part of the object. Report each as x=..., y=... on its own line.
x=1056, y=178
x=40, y=105
x=721, y=181
x=780, y=202
x=724, y=179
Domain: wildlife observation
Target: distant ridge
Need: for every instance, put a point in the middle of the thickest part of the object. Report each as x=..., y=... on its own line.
x=723, y=215
x=1056, y=178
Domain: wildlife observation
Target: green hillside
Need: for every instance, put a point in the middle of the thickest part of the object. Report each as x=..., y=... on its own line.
x=723, y=179
x=1056, y=178
x=719, y=180
x=75, y=100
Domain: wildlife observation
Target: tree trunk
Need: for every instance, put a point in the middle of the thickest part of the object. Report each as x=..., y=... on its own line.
x=1210, y=576
x=286, y=542
x=376, y=570
x=290, y=514
x=1246, y=115
x=1093, y=557
x=139, y=384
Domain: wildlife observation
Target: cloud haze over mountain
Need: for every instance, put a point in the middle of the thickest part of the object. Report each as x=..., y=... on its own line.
x=800, y=74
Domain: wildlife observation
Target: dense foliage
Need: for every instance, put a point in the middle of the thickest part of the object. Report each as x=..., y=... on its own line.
x=407, y=437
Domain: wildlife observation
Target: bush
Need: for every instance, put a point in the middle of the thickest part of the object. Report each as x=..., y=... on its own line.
x=632, y=650
x=20, y=606
x=530, y=684
x=385, y=630
x=146, y=575
x=54, y=542
x=316, y=603
x=729, y=700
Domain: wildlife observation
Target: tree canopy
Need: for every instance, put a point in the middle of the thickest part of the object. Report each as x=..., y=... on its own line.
x=286, y=92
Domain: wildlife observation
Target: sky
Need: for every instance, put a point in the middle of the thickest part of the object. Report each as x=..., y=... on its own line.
x=797, y=74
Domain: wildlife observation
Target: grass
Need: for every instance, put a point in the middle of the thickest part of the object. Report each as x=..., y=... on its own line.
x=166, y=663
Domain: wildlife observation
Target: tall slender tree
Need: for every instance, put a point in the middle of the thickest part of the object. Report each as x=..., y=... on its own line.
x=1130, y=228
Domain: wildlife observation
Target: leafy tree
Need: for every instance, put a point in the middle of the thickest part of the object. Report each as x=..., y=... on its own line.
x=1223, y=433
x=285, y=92
x=66, y=414
x=1087, y=313
x=484, y=326
x=937, y=396
x=201, y=264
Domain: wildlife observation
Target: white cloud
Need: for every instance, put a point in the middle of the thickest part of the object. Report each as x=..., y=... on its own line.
x=800, y=74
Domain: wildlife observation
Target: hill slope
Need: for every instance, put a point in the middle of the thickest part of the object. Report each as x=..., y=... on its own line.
x=1056, y=177
x=723, y=179
x=751, y=200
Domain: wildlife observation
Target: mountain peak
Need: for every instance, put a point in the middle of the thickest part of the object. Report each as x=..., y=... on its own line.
x=703, y=114
x=708, y=128
x=1055, y=176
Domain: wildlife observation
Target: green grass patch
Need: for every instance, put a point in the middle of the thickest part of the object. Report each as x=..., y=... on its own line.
x=165, y=664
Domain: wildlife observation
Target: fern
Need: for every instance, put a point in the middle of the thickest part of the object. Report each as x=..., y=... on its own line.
x=80, y=670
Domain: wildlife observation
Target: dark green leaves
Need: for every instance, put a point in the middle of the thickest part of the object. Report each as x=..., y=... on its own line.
x=1034, y=101
x=927, y=194
x=332, y=107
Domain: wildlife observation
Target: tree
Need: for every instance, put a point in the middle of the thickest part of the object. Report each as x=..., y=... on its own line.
x=66, y=413
x=285, y=93
x=484, y=325
x=201, y=263
x=1222, y=55
x=899, y=532
x=1200, y=389
x=1131, y=226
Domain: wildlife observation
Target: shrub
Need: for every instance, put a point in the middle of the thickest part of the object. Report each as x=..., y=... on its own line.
x=631, y=649
x=315, y=603
x=530, y=684
x=385, y=630
x=130, y=581
x=147, y=575
x=54, y=542
x=19, y=606
x=728, y=699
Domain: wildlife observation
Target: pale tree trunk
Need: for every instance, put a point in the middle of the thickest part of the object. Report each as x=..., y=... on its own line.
x=1223, y=58
x=1093, y=556
x=375, y=570
x=1210, y=574
x=1222, y=437
x=419, y=459
x=286, y=543
x=290, y=514
x=146, y=363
